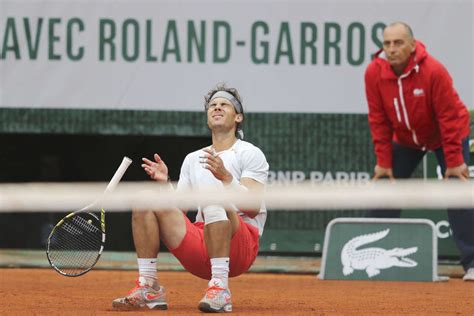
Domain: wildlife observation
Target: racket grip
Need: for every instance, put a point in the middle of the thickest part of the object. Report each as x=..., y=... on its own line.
x=118, y=174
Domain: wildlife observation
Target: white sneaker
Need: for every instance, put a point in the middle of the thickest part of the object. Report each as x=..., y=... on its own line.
x=469, y=276
x=217, y=298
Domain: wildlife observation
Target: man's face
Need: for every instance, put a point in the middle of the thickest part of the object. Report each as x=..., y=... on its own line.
x=221, y=114
x=398, y=46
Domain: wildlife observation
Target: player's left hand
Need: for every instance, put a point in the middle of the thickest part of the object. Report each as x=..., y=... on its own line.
x=215, y=165
x=461, y=172
x=157, y=170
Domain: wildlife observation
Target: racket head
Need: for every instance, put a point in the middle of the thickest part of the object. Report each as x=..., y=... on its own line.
x=76, y=243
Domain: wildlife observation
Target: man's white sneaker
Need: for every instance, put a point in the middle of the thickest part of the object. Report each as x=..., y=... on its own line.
x=217, y=298
x=469, y=276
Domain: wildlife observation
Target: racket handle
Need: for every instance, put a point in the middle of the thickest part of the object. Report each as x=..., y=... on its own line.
x=118, y=174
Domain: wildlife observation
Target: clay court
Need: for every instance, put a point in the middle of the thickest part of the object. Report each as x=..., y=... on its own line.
x=43, y=291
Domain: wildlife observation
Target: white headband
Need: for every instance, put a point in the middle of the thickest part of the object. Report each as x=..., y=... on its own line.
x=228, y=96
x=237, y=106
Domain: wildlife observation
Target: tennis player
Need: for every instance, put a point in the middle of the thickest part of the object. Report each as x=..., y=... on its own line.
x=223, y=241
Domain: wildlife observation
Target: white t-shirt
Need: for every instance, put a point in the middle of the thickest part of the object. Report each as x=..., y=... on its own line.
x=242, y=160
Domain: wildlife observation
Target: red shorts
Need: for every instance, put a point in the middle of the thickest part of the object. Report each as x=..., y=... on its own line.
x=192, y=252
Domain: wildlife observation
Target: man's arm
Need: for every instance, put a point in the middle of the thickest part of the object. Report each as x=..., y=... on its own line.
x=254, y=186
x=157, y=170
x=380, y=126
x=215, y=165
x=447, y=115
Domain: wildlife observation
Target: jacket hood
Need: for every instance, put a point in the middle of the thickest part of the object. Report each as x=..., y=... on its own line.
x=416, y=59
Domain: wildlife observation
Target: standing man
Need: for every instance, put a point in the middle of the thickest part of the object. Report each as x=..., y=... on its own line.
x=414, y=108
x=223, y=242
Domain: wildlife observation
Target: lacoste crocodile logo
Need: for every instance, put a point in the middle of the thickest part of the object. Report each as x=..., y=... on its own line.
x=418, y=92
x=374, y=259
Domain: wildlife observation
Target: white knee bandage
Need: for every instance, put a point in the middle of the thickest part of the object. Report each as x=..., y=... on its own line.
x=214, y=213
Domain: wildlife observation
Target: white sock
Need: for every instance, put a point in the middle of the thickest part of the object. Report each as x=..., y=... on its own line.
x=220, y=270
x=147, y=269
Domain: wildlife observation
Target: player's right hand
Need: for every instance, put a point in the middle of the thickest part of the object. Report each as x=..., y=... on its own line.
x=382, y=173
x=157, y=170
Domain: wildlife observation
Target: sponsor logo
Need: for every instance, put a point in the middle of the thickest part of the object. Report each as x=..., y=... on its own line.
x=150, y=296
x=316, y=176
x=374, y=259
x=418, y=92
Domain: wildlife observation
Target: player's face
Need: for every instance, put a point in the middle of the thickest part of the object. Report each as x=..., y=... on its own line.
x=398, y=46
x=221, y=114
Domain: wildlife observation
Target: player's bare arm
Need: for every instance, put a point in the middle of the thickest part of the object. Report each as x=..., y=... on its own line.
x=215, y=165
x=253, y=186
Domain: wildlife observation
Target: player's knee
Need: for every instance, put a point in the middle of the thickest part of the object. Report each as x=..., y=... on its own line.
x=140, y=215
x=214, y=213
x=167, y=212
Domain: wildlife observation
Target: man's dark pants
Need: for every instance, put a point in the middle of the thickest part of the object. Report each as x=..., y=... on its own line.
x=404, y=162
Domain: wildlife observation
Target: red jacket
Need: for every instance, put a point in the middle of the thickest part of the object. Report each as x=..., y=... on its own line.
x=420, y=109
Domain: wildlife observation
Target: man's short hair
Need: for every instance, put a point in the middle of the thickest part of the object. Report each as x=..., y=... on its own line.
x=405, y=25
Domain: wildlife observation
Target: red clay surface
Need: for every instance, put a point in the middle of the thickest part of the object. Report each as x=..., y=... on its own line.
x=45, y=292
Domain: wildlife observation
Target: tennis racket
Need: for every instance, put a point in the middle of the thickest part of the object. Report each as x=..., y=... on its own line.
x=77, y=241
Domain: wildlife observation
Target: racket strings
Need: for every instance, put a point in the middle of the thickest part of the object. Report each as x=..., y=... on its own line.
x=75, y=245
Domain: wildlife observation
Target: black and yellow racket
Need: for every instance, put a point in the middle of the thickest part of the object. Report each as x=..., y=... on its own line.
x=77, y=241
